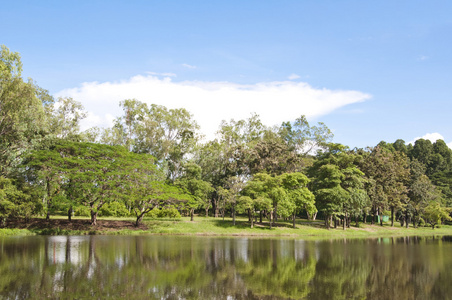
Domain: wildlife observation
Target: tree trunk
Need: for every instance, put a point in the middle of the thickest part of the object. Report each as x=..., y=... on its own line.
x=415, y=220
x=192, y=212
x=344, y=222
x=215, y=206
x=327, y=222
x=93, y=218
x=260, y=216
x=252, y=219
x=293, y=217
x=207, y=212
x=69, y=213
x=48, y=216
x=364, y=218
x=233, y=215
x=271, y=219
x=139, y=219
x=392, y=216
x=407, y=220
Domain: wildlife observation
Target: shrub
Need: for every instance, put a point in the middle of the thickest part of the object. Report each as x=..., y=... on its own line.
x=168, y=212
x=82, y=211
x=421, y=222
x=114, y=209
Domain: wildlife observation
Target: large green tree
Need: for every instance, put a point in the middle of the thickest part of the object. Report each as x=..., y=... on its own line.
x=22, y=118
x=91, y=174
x=167, y=134
x=198, y=189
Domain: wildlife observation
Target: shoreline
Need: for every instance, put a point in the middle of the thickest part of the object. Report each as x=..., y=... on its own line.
x=211, y=227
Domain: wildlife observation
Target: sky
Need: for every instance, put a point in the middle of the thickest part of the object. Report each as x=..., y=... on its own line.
x=369, y=70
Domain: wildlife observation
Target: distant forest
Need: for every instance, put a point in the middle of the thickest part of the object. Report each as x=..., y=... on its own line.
x=154, y=162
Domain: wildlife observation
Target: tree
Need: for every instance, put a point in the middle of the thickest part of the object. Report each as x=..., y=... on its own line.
x=272, y=155
x=328, y=191
x=255, y=197
x=167, y=134
x=268, y=193
x=91, y=174
x=14, y=202
x=198, y=189
x=298, y=194
x=22, y=120
x=388, y=174
x=143, y=198
x=48, y=169
x=235, y=186
x=338, y=184
x=434, y=213
x=305, y=138
x=64, y=117
x=421, y=191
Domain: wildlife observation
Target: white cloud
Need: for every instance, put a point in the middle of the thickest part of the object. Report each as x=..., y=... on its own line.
x=211, y=102
x=188, y=66
x=433, y=137
x=293, y=76
x=162, y=74
x=422, y=57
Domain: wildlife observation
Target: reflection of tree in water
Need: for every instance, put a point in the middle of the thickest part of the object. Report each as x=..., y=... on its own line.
x=273, y=269
x=401, y=269
x=341, y=271
x=17, y=278
x=214, y=268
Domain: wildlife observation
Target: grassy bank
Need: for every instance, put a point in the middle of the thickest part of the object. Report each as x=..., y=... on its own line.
x=216, y=227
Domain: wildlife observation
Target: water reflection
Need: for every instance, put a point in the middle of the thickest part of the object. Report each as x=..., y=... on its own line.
x=158, y=267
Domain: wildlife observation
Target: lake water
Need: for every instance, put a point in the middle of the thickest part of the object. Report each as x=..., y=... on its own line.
x=172, y=267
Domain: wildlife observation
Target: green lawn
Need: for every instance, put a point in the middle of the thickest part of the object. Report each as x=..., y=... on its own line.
x=219, y=227
x=305, y=229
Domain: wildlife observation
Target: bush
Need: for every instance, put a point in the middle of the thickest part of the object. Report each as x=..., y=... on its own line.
x=114, y=209
x=82, y=211
x=154, y=213
x=169, y=212
x=421, y=222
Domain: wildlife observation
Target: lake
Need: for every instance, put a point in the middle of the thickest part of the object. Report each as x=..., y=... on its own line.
x=178, y=267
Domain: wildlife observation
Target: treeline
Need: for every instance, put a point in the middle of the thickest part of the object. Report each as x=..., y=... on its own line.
x=154, y=161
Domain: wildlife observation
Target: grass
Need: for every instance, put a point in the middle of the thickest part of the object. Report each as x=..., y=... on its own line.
x=218, y=227
x=304, y=229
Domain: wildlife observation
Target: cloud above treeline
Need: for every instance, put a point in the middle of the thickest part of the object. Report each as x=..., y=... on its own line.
x=432, y=137
x=211, y=102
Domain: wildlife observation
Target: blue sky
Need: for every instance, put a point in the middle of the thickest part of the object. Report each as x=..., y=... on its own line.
x=370, y=70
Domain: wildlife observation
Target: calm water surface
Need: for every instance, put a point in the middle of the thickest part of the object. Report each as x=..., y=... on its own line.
x=162, y=267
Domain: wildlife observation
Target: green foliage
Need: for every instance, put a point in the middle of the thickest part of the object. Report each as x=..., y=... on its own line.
x=435, y=212
x=14, y=202
x=114, y=209
x=64, y=118
x=82, y=211
x=22, y=120
x=167, y=134
x=166, y=212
